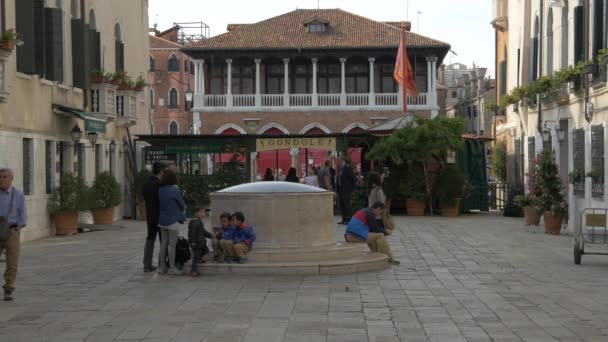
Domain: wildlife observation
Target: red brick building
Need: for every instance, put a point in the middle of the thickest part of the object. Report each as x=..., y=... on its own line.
x=171, y=74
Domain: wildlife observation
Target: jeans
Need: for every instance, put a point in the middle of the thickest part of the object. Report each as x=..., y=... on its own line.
x=11, y=248
x=168, y=241
x=345, y=199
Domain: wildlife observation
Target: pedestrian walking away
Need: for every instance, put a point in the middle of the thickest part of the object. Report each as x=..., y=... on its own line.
x=150, y=196
x=12, y=207
x=345, y=181
x=171, y=219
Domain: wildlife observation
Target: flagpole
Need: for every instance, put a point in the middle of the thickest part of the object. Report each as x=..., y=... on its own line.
x=403, y=59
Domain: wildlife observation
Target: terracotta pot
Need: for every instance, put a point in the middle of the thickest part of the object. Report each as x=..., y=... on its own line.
x=8, y=45
x=66, y=223
x=451, y=210
x=97, y=78
x=123, y=86
x=531, y=216
x=103, y=215
x=415, y=207
x=141, y=208
x=553, y=222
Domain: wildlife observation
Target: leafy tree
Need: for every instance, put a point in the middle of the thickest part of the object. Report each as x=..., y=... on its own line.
x=419, y=142
x=499, y=162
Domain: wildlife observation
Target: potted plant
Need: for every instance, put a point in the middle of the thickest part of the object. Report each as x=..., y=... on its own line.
x=551, y=201
x=98, y=76
x=450, y=186
x=499, y=162
x=528, y=204
x=118, y=77
x=9, y=39
x=140, y=83
x=65, y=203
x=602, y=56
x=142, y=177
x=105, y=195
x=126, y=83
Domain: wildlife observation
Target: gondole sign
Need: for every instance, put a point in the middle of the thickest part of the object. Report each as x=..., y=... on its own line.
x=319, y=143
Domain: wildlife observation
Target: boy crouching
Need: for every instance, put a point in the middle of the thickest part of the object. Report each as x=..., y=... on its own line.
x=241, y=242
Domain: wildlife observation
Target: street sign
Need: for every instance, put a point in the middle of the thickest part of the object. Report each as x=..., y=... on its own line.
x=320, y=143
x=155, y=154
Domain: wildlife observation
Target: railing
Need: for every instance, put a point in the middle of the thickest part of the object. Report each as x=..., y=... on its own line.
x=387, y=100
x=502, y=197
x=273, y=100
x=243, y=100
x=381, y=101
x=357, y=100
x=300, y=100
x=329, y=100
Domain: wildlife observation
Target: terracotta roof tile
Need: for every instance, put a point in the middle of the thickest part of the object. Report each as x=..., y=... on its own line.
x=345, y=30
x=160, y=43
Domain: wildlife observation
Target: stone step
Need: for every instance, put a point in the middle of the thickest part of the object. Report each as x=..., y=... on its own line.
x=306, y=254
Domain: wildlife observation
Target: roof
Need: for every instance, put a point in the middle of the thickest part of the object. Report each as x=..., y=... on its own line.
x=160, y=43
x=345, y=30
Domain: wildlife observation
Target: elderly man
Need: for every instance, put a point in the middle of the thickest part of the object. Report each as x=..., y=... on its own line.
x=12, y=206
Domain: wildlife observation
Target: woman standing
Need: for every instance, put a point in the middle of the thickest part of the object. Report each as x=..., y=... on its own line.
x=171, y=219
x=292, y=176
x=312, y=179
x=268, y=177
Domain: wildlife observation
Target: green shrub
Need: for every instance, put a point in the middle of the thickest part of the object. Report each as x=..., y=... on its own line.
x=499, y=162
x=105, y=192
x=71, y=195
x=450, y=185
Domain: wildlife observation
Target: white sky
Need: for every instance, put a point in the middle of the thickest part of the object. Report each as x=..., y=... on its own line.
x=463, y=24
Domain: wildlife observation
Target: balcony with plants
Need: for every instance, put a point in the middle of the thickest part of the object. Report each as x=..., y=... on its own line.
x=115, y=95
x=8, y=41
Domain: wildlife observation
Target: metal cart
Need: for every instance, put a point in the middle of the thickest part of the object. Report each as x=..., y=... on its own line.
x=592, y=230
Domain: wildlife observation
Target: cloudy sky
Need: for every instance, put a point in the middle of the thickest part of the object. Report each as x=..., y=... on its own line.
x=463, y=24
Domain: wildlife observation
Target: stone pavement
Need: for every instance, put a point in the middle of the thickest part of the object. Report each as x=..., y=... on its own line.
x=475, y=278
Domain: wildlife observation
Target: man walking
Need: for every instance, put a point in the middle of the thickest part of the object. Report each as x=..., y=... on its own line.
x=12, y=207
x=150, y=195
x=345, y=181
x=324, y=176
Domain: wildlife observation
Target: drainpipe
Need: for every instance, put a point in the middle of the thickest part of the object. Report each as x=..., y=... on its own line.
x=540, y=66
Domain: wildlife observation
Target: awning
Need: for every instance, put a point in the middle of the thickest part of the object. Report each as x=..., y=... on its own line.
x=92, y=123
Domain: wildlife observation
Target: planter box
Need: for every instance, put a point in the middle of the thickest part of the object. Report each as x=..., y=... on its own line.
x=553, y=222
x=104, y=216
x=531, y=216
x=415, y=207
x=66, y=223
x=451, y=210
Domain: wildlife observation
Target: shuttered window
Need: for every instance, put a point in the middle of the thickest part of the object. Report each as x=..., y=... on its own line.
x=578, y=142
x=534, y=59
x=28, y=175
x=54, y=44
x=597, y=161
x=579, y=34
x=48, y=161
x=503, y=78
x=173, y=63
x=599, y=24
x=24, y=12
x=94, y=46
x=82, y=161
x=79, y=67
x=120, y=55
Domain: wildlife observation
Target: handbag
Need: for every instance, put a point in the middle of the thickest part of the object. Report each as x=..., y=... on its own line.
x=5, y=225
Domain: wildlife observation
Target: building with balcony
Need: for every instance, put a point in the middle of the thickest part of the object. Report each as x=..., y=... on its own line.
x=46, y=92
x=542, y=38
x=171, y=75
x=309, y=72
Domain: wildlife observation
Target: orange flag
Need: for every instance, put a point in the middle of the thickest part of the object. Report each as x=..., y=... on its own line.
x=403, y=68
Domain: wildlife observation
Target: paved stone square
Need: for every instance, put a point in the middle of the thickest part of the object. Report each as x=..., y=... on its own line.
x=475, y=278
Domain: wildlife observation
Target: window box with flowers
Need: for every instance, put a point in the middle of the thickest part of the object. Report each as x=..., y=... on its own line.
x=10, y=39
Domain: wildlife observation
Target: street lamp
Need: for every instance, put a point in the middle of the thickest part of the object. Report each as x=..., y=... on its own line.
x=112, y=146
x=92, y=136
x=76, y=133
x=189, y=94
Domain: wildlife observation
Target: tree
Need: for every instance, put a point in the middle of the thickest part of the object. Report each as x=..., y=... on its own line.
x=499, y=162
x=419, y=142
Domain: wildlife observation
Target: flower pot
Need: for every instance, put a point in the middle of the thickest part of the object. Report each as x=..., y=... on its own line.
x=123, y=86
x=141, y=209
x=103, y=215
x=97, y=79
x=8, y=44
x=531, y=216
x=66, y=223
x=553, y=222
x=415, y=207
x=451, y=209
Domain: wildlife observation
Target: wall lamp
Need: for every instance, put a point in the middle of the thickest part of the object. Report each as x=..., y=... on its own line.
x=546, y=132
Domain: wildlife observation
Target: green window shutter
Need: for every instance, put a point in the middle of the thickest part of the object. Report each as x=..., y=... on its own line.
x=598, y=26
x=24, y=11
x=120, y=55
x=503, y=78
x=39, y=38
x=579, y=34
x=54, y=44
x=78, y=53
x=97, y=50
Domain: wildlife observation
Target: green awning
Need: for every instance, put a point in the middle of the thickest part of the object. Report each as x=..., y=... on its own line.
x=92, y=123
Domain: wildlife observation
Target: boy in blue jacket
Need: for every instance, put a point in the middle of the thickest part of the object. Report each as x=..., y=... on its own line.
x=219, y=240
x=364, y=228
x=240, y=242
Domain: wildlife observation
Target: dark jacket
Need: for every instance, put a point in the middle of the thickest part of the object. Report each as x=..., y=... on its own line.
x=197, y=234
x=172, y=205
x=346, y=179
x=149, y=192
x=243, y=234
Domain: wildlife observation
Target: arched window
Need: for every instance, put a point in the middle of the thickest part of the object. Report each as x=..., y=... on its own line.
x=152, y=64
x=564, y=21
x=119, y=49
x=173, y=129
x=92, y=19
x=550, y=42
x=173, y=98
x=173, y=63
x=75, y=9
x=534, y=52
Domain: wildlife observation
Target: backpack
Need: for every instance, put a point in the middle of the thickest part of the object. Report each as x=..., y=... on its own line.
x=182, y=251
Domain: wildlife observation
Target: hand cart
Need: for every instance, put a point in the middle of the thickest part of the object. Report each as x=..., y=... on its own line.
x=592, y=230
